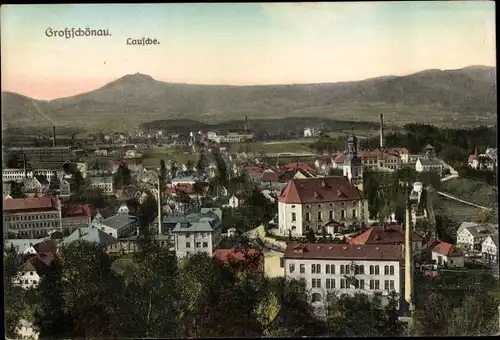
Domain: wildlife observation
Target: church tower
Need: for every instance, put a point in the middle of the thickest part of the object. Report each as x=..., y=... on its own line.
x=353, y=168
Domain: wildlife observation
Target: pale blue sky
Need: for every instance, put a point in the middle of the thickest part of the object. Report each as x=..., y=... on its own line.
x=254, y=43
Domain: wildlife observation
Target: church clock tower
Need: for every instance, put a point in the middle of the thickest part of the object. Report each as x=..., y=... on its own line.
x=353, y=168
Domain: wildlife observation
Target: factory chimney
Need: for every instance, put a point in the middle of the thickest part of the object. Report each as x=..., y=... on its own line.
x=54, y=136
x=25, y=166
x=159, y=208
x=408, y=259
x=381, y=130
x=246, y=124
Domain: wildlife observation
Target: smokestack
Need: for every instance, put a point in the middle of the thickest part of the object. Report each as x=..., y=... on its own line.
x=54, y=136
x=246, y=124
x=159, y=208
x=25, y=166
x=381, y=130
x=408, y=258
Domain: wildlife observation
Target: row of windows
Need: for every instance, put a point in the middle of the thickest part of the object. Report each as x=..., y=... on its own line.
x=198, y=244
x=389, y=285
x=34, y=225
x=196, y=235
x=319, y=215
x=343, y=268
x=30, y=217
x=331, y=205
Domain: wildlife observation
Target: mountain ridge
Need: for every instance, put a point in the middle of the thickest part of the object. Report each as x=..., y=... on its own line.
x=136, y=98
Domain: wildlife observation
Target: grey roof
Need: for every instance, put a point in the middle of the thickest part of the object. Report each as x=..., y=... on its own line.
x=20, y=244
x=207, y=220
x=480, y=229
x=119, y=221
x=429, y=162
x=89, y=234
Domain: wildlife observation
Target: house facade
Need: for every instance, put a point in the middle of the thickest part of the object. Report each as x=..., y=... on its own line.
x=489, y=248
x=345, y=269
x=472, y=237
x=105, y=183
x=32, y=217
x=198, y=232
x=446, y=255
x=427, y=165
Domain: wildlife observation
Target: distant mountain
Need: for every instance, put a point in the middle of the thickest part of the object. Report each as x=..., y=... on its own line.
x=466, y=95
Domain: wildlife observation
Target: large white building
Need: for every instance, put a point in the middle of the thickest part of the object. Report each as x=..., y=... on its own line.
x=19, y=174
x=105, y=183
x=32, y=217
x=345, y=268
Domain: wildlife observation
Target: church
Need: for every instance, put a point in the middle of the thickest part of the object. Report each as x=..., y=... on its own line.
x=326, y=202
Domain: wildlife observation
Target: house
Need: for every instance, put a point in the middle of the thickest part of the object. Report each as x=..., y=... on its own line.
x=198, y=232
x=33, y=270
x=32, y=217
x=446, y=254
x=232, y=257
x=305, y=169
x=105, y=183
x=133, y=154
x=186, y=179
x=32, y=186
x=311, y=203
x=377, y=159
x=127, y=245
x=231, y=232
x=22, y=246
x=6, y=188
x=489, y=248
x=235, y=202
x=74, y=217
x=119, y=225
x=89, y=234
x=387, y=234
x=426, y=164
x=101, y=153
x=254, y=172
x=472, y=237
x=345, y=268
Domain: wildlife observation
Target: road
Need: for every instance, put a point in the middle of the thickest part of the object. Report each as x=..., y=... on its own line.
x=462, y=201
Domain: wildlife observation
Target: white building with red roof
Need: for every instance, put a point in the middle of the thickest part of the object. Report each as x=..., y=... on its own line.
x=387, y=234
x=313, y=203
x=445, y=254
x=345, y=268
x=32, y=217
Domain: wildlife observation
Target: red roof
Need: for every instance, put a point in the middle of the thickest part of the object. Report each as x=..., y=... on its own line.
x=270, y=176
x=383, y=252
x=41, y=203
x=393, y=234
x=300, y=166
x=319, y=190
x=471, y=158
x=253, y=169
x=224, y=255
x=184, y=188
x=80, y=210
x=446, y=249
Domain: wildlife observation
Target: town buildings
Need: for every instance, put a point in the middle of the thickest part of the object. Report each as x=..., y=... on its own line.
x=345, y=268
x=74, y=217
x=489, y=248
x=197, y=232
x=471, y=236
x=45, y=153
x=446, y=255
x=388, y=234
x=32, y=217
x=104, y=182
x=119, y=225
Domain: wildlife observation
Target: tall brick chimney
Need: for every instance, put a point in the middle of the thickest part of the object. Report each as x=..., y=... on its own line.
x=408, y=258
x=54, y=136
x=381, y=130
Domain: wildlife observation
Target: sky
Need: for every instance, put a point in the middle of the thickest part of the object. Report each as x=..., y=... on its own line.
x=239, y=44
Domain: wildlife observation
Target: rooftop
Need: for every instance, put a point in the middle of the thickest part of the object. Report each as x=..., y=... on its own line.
x=93, y=235
x=383, y=252
x=392, y=234
x=205, y=221
x=224, y=255
x=27, y=204
x=446, y=249
x=119, y=221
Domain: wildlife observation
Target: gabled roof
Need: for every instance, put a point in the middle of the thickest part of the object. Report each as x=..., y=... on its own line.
x=393, y=234
x=319, y=190
x=383, y=252
x=270, y=176
x=119, y=221
x=41, y=203
x=46, y=247
x=77, y=210
x=429, y=162
x=300, y=166
x=446, y=249
x=93, y=235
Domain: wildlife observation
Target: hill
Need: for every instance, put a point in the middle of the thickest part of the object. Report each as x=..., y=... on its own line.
x=464, y=96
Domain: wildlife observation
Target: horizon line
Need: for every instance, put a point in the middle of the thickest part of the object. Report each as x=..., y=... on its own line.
x=245, y=85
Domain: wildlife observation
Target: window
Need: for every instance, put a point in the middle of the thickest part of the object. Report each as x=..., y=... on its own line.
x=361, y=284
x=302, y=268
x=316, y=283
x=313, y=268
x=205, y=244
x=342, y=214
x=391, y=285
x=372, y=270
x=377, y=284
x=386, y=285
x=318, y=269
x=294, y=217
x=359, y=269
x=308, y=217
x=354, y=213
x=198, y=244
x=291, y=267
x=328, y=283
x=342, y=269
x=293, y=207
x=31, y=273
x=330, y=215
x=188, y=244
x=320, y=216
x=386, y=270
x=391, y=270
x=188, y=235
x=377, y=270
x=330, y=269
x=343, y=283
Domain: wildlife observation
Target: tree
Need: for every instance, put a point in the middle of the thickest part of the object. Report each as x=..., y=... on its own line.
x=78, y=183
x=17, y=190
x=484, y=310
x=432, y=316
x=13, y=294
x=122, y=177
x=484, y=216
x=311, y=236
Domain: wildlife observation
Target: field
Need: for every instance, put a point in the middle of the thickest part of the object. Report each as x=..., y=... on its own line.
x=297, y=146
x=477, y=192
x=153, y=157
x=456, y=211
